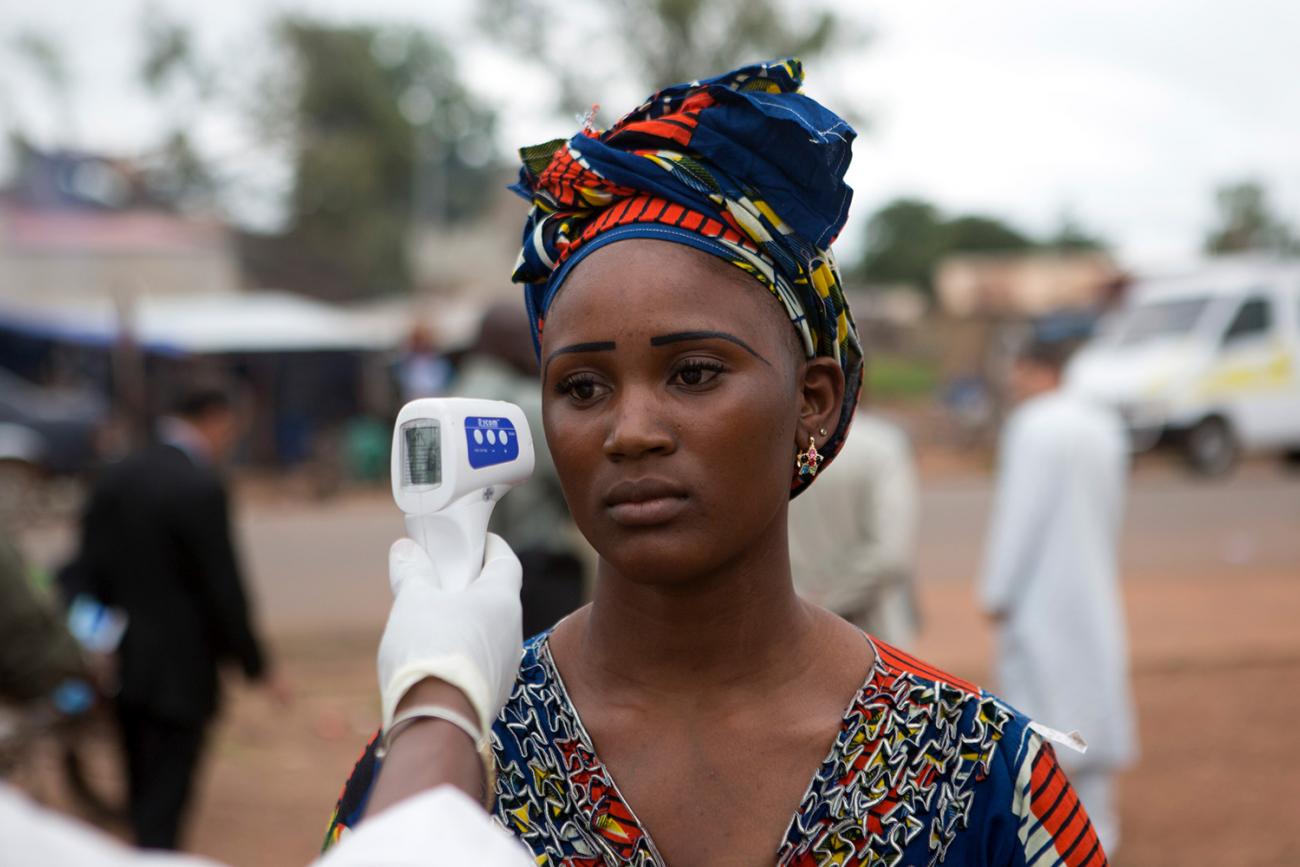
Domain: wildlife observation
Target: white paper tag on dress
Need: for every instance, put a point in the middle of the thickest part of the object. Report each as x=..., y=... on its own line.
x=1073, y=740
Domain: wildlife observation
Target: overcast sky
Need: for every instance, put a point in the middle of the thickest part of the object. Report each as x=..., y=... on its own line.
x=1124, y=114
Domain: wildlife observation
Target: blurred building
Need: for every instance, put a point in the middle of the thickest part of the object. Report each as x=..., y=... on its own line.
x=76, y=225
x=1025, y=284
x=473, y=258
x=109, y=283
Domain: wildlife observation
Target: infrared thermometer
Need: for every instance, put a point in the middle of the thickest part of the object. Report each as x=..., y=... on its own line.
x=453, y=458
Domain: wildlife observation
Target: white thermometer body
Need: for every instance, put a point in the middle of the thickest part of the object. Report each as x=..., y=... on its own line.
x=453, y=458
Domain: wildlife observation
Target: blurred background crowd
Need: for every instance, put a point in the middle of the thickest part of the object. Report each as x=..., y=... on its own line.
x=306, y=203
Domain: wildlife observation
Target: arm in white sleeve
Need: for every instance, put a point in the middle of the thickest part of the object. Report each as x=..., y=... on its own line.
x=34, y=835
x=437, y=828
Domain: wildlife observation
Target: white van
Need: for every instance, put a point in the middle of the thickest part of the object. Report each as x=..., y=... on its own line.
x=1208, y=361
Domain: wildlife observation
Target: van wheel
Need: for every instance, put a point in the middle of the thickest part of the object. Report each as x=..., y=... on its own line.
x=1210, y=447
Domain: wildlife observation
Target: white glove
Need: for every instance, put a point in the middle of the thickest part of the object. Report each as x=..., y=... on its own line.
x=471, y=638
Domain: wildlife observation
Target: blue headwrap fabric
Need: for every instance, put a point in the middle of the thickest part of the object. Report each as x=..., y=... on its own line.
x=742, y=166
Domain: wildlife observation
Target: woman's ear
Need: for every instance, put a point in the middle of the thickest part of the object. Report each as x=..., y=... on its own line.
x=821, y=397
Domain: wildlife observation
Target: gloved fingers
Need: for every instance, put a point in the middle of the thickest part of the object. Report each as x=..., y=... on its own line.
x=502, y=571
x=408, y=561
x=496, y=548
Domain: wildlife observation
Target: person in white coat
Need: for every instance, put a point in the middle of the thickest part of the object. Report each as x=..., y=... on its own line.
x=852, y=535
x=1051, y=581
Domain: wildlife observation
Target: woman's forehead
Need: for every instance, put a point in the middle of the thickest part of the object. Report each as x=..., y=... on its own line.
x=640, y=284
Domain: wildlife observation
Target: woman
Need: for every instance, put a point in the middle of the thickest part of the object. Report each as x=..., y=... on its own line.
x=698, y=712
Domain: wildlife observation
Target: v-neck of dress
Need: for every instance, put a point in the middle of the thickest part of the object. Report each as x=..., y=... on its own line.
x=837, y=745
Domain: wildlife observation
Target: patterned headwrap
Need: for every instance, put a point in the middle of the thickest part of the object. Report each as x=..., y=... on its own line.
x=742, y=166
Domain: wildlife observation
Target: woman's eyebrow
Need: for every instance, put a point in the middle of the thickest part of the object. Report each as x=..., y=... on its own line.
x=679, y=336
x=595, y=346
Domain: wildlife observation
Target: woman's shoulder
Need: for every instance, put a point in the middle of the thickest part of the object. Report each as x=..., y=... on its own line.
x=990, y=765
x=924, y=691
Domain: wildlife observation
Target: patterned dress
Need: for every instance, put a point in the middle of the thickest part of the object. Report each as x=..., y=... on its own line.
x=927, y=769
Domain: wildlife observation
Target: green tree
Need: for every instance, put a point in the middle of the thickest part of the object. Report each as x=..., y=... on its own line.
x=1070, y=236
x=974, y=233
x=904, y=240
x=380, y=132
x=173, y=72
x=44, y=59
x=655, y=43
x=908, y=237
x=1246, y=222
x=677, y=40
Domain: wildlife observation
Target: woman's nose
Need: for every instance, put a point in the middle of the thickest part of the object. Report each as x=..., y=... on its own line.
x=638, y=426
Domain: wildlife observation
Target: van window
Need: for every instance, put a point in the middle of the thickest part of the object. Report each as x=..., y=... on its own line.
x=1254, y=319
x=1161, y=319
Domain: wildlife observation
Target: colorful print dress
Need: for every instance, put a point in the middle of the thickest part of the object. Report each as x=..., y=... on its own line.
x=927, y=769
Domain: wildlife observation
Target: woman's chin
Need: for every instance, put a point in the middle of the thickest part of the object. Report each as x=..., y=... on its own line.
x=664, y=562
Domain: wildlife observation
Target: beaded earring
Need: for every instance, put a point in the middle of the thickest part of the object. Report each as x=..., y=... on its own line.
x=809, y=460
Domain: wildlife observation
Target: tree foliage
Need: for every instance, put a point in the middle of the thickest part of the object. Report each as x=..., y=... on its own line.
x=976, y=233
x=678, y=40
x=908, y=237
x=1246, y=222
x=173, y=70
x=44, y=59
x=904, y=240
x=380, y=132
x=1071, y=236
x=655, y=43
x=170, y=57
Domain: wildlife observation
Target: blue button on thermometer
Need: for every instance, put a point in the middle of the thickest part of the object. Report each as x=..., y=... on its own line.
x=490, y=441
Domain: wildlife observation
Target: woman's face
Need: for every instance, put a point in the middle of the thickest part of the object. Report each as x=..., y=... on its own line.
x=673, y=389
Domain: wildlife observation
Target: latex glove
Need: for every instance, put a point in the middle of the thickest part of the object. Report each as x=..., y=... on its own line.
x=471, y=638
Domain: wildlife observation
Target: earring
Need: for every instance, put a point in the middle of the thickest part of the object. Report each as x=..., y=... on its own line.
x=822, y=431
x=808, y=461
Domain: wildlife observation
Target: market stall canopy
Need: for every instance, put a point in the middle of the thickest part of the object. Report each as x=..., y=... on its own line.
x=233, y=322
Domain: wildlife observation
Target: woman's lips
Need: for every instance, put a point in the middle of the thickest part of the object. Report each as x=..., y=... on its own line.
x=645, y=502
x=647, y=513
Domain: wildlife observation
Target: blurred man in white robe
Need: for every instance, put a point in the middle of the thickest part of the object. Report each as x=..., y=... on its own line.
x=1051, y=581
x=852, y=535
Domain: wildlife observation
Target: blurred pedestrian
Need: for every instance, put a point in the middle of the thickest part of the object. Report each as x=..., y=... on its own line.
x=1051, y=581
x=156, y=543
x=421, y=370
x=534, y=519
x=852, y=535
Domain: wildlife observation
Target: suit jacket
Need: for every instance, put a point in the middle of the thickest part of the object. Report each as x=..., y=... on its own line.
x=156, y=543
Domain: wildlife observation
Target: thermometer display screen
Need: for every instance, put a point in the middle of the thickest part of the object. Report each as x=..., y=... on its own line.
x=421, y=453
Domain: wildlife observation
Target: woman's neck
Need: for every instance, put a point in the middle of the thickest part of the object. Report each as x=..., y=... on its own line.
x=742, y=626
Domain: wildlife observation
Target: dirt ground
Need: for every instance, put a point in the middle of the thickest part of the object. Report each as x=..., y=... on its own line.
x=1212, y=589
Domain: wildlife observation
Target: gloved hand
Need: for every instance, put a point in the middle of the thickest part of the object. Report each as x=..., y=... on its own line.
x=471, y=638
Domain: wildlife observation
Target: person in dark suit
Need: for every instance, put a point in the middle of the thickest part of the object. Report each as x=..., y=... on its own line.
x=156, y=543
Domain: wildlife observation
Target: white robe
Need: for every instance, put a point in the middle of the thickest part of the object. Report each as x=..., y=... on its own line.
x=1051, y=573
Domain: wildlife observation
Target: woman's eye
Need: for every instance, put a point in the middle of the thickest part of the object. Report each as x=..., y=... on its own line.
x=580, y=387
x=697, y=372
